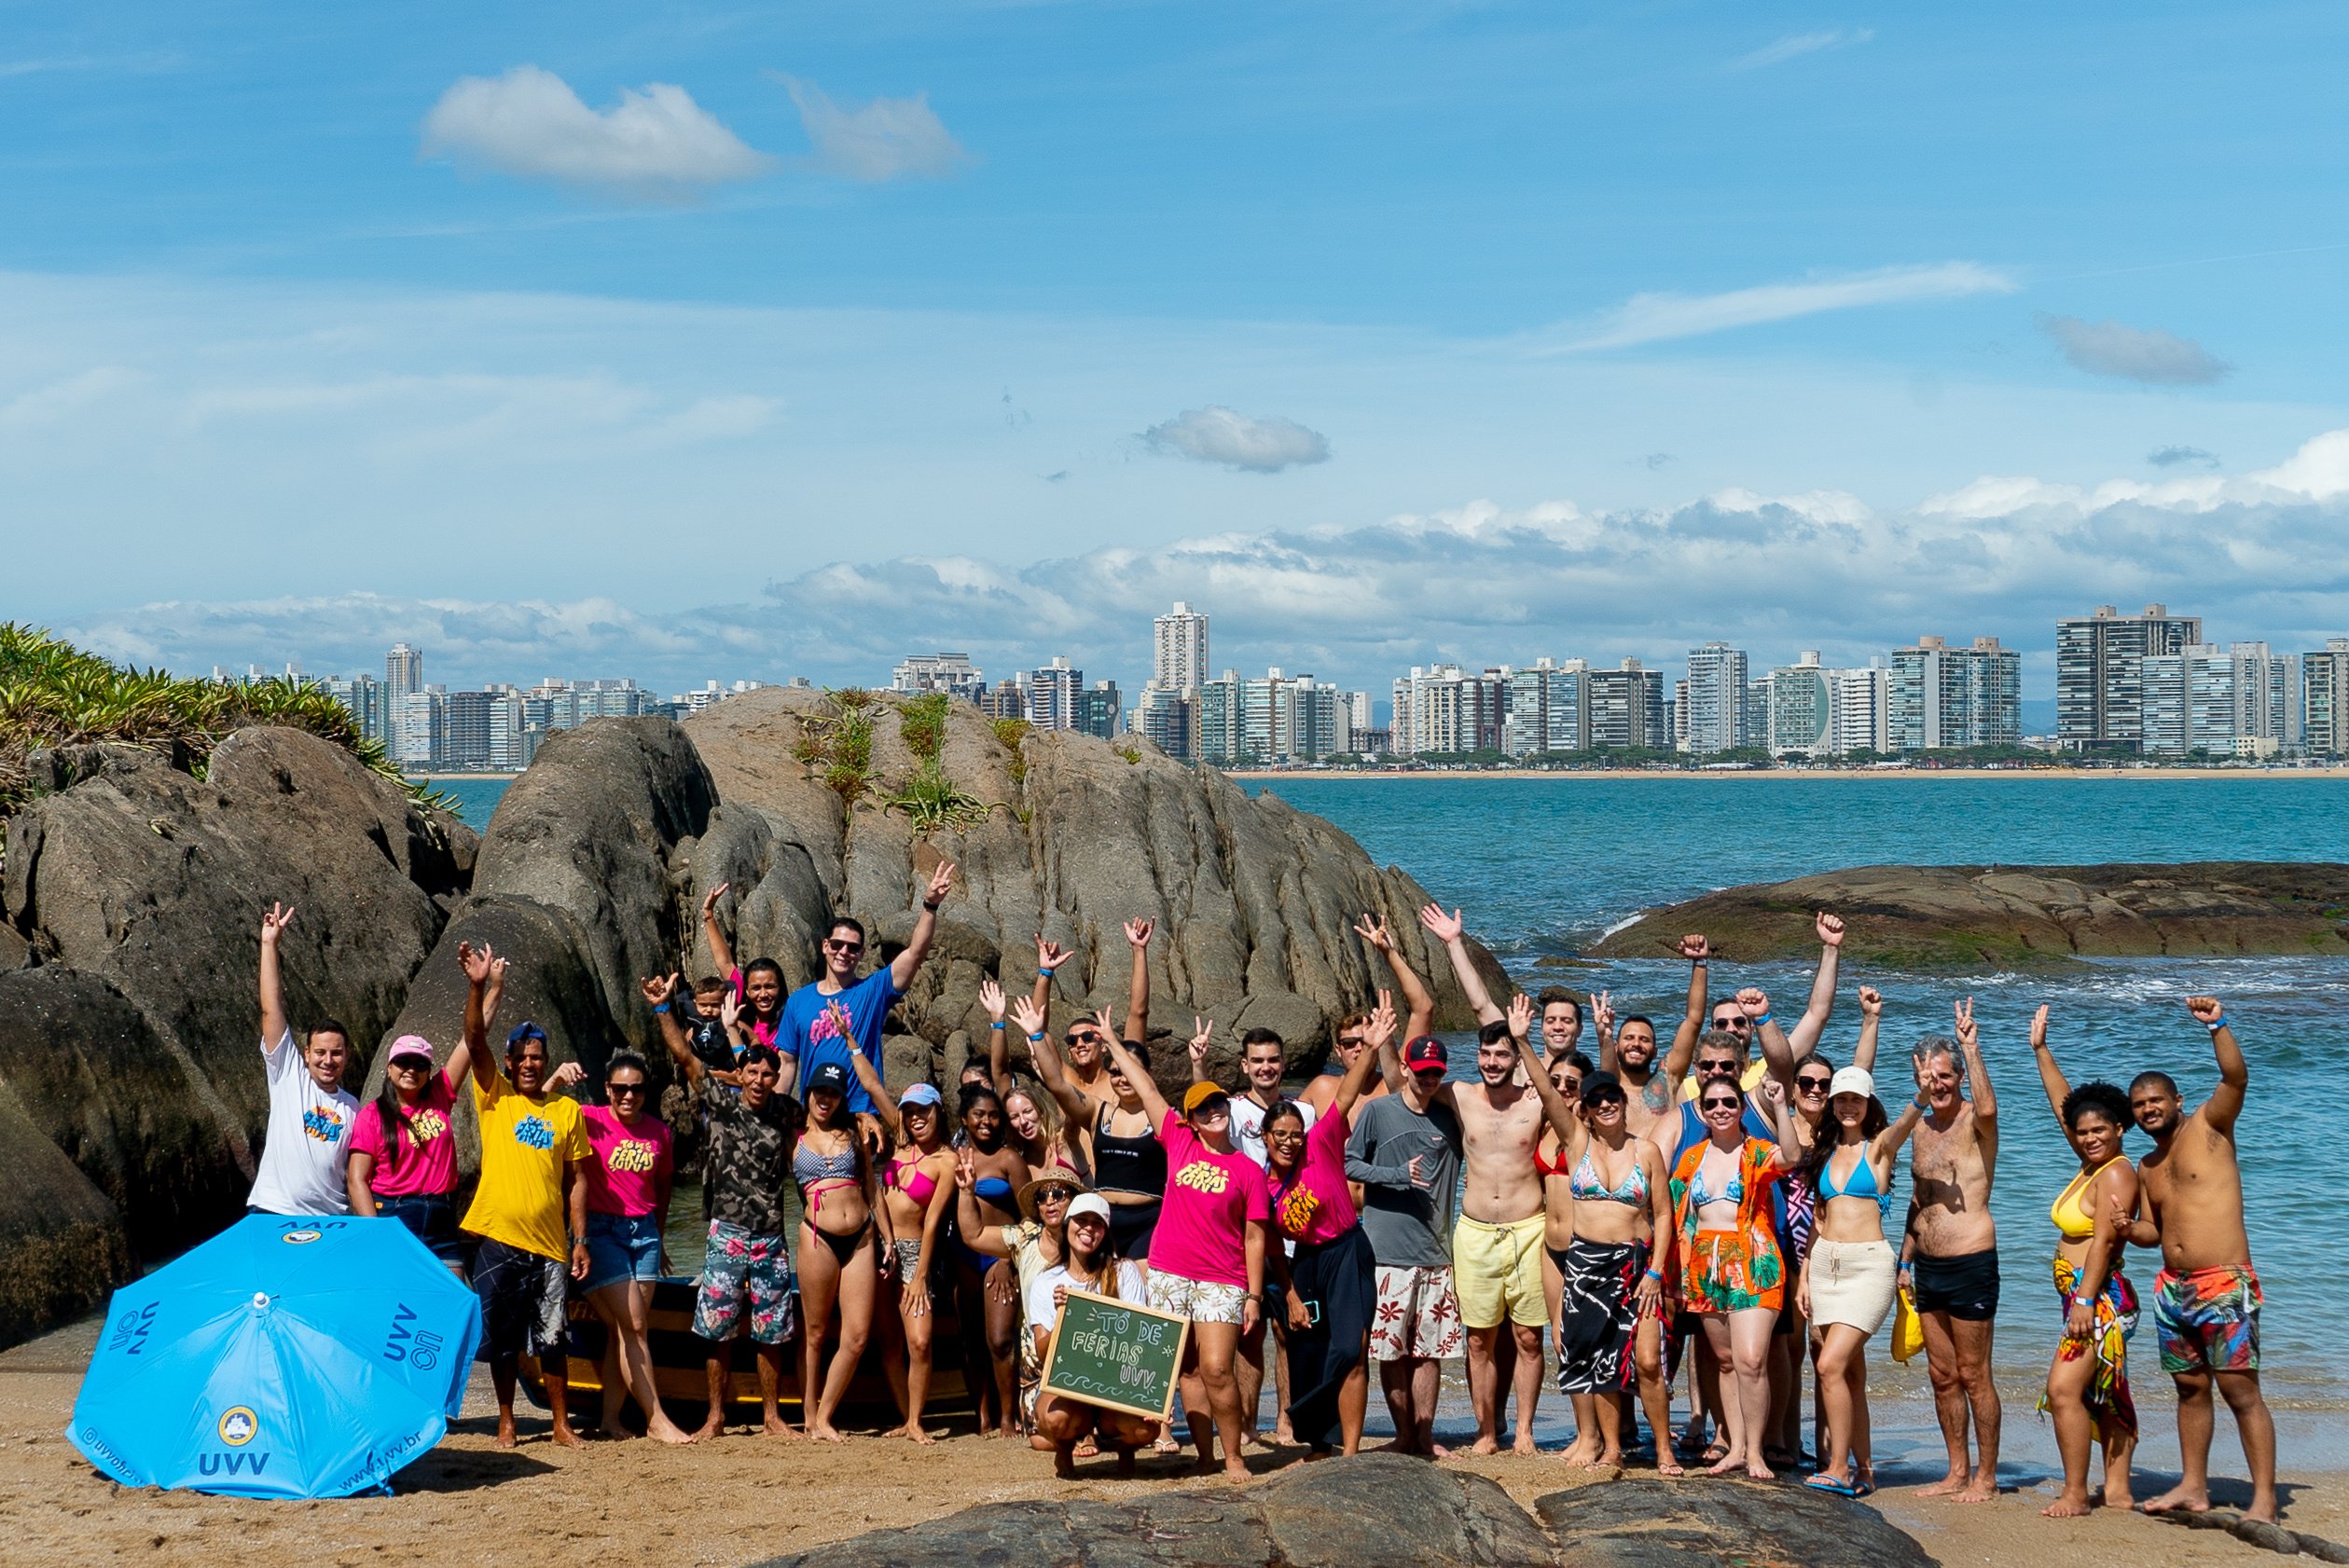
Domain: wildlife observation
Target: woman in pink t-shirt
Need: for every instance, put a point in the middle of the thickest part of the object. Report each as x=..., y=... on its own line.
x=403, y=1163
x=1207, y=1256
x=1331, y=1286
x=630, y=1163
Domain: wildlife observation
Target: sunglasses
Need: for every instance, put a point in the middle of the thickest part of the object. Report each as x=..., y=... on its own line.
x=1813, y=1085
x=616, y=1090
x=1600, y=1102
x=1717, y=1069
x=410, y=1065
x=1720, y=1104
x=1088, y=1037
x=1739, y=1022
x=843, y=946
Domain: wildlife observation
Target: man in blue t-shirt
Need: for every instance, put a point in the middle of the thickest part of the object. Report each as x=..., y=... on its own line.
x=811, y=1032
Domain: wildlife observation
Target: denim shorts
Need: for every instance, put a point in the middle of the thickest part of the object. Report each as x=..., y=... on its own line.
x=430, y=1218
x=621, y=1247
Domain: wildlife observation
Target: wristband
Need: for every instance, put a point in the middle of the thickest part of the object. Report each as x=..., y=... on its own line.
x=1923, y=1101
x=932, y=908
x=1043, y=973
x=663, y=1008
x=1761, y=1021
x=999, y=1023
x=2217, y=1023
x=1035, y=1038
x=1655, y=1275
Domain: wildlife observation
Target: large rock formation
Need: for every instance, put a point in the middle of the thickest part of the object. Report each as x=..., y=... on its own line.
x=2010, y=917
x=134, y=891
x=1255, y=901
x=128, y=1034
x=1384, y=1511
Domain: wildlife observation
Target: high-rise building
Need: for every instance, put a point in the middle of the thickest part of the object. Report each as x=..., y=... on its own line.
x=1099, y=709
x=369, y=702
x=1168, y=720
x=708, y=695
x=2325, y=698
x=2099, y=688
x=1716, y=704
x=1359, y=722
x=951, y=673
x=1797, y=709
x=404, y=671
x=1545, y=708
x=1007, y=700
x=1862, y=699
x=2267, y=699
x=1626, y=708
x=1442, y=709
x=1053, y=691
x=1944, y=698
x=2207, y=701
x=422, y=716
x=1318, y=723
x=1178, y=650
x=482, y=730
x=1218, y=731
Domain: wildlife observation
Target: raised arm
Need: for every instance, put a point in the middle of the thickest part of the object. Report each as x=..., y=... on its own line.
x=1449, y=931
x=1985, y=1101
x=659, y=991
x=1378, y=1037
x=1198, y=1050
x=1553, y=1104
x=1888, y=1142
x=1781, y=1124
x=2051, y=1077
x=1153, y=1102
x=1050, y=956
x=721, y=950
x=998, y=1034
x=1778, y=1052
x=1864, y=1055
x=1047, y=1057
x=1417, y=1005
x=868, y=1074
x=273, y=1024
x=2234, y=1075
x=1803, y=1037
x=901, y=967
x=1602, y=1008
x=1138, y=934
x=1675, y=1065
x=485, y=980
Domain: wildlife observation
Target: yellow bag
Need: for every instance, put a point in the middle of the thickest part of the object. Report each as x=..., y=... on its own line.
x=1908, y=1332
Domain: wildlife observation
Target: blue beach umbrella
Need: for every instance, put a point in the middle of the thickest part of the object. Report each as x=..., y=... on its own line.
x=282, y=1359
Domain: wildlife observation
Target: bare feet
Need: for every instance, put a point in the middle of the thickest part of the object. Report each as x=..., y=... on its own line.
x=1667, y=1466
x=1761, y=1471
x=990, y=1432
x=1727, y=1461
x=666, y=1431
x=713, y=1427
x=2265, y=1512
x=911, y=1433
x=562, y=1434
x=2066, y=1506
x=1524, y=1444
x=2184, y=1499
x=1064, y=1466
x=505, y=1431
x=1236, y=1471
x=1283, y=1434
x=1952, y=1482
x=2119, y=1497
x=1437, y=1451
x=1978, y=1491
x=776, y=1426
x=1578, y=1453
x=1611, y=1460
x=1486, y=1445
x=824, y=1431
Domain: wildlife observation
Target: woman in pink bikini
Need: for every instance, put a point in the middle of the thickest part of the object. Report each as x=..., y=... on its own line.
x=917, y=1193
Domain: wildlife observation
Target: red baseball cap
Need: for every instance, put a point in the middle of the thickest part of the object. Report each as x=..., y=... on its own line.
x=1426, y=1051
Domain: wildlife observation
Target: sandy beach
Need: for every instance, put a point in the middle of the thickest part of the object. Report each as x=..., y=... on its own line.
x=743, y=1499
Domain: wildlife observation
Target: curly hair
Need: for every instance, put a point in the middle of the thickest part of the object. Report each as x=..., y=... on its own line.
x=2105, y=1099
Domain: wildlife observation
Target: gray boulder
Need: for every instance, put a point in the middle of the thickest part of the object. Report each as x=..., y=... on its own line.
x=1365, y=1512
x=1640, y=1521
x=62, y=1247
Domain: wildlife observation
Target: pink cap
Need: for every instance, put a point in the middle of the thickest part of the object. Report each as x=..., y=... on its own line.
x=410, y=1045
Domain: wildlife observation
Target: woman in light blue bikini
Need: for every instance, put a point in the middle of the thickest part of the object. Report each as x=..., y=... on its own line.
x=1845, y=1289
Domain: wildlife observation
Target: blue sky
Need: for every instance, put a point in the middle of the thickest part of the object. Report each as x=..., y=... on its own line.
x=697, y=342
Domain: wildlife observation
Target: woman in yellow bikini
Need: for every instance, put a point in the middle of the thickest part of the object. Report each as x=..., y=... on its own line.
x=2088, y=1382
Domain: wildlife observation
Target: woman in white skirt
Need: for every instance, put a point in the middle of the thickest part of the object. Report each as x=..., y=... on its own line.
x=1845, y=1289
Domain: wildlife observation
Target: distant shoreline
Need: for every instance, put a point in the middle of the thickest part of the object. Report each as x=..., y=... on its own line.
x=2140, y=774
x=460, y=777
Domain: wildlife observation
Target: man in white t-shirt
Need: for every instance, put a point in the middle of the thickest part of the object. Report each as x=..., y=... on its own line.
x=310, y=1112
x=1261, y=1055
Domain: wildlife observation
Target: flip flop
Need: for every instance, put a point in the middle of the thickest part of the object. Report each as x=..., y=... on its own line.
x=1828, y=1483
x=1863, y=1488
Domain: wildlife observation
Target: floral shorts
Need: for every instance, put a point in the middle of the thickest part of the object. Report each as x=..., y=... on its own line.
x=1727, y=1272
x=1200, y=1300
x=2208, y=1319
x=1417, y=1315
x=745, y=1270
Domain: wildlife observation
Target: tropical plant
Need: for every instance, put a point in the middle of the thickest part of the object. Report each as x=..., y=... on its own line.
x=922, y=722
x=930, y=800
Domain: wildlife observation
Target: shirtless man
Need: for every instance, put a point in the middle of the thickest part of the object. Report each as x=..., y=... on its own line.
x=2206, y=1297
x=1950, y=1262
x=1497, y=1241
x=1629, y=1051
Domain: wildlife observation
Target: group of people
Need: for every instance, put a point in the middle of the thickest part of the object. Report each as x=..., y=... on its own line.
x=1722, y=1200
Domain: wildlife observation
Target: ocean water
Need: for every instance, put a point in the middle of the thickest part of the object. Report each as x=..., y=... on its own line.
x=1543, y=866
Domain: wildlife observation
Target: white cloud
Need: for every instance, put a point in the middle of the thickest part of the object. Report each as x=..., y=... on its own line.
x=1798, y=44
x=1479, y=582
x=2133, y=354
x=1654, y=317
x=46, y=404
x=655, y=142
x=1223, y=435
x=887, y=139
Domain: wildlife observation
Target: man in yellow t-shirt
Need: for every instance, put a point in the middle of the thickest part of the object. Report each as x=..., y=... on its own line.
x=531, y=1211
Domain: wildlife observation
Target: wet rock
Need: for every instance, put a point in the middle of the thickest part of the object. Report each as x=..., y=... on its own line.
x=1644, y=1523
x=2017, y=917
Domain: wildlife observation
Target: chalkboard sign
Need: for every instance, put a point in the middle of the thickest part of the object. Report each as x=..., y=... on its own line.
x=1120, y=1355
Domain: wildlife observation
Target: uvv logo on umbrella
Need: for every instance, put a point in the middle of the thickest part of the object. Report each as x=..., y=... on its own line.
x=282, y=1359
